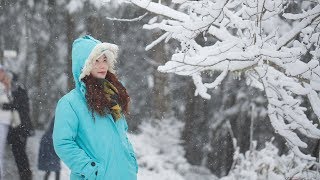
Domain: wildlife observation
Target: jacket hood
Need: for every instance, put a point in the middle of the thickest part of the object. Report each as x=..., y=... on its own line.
x=85, y=50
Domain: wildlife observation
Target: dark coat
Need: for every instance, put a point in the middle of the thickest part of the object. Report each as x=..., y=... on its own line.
x=48, y=159
x=20, y=103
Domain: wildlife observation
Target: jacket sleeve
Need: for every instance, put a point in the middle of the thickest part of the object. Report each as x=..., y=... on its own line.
x=8, y=106
x=19, y=100
x=64, y=134
x=130, y=147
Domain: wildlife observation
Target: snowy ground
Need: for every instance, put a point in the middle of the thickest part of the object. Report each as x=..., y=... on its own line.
x=158, y=148
x=11, y=171
x=161, y=157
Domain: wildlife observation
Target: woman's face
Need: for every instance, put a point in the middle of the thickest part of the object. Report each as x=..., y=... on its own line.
x=100, y=67
x=4, y=78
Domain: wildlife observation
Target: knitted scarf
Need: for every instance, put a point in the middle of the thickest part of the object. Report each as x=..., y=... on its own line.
x=112, y=94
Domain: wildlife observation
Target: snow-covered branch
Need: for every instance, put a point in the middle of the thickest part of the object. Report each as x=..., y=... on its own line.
x=160, y=9
x=253, y=37
x=128, y=20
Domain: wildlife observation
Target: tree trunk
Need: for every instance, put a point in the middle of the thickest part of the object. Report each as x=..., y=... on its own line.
x=195, y=133
x=1, y=50
x=70, y=39
x=38, y=101
x=160, y=96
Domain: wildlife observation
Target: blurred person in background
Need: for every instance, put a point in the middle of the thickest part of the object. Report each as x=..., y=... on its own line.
x=5, y=116
x=18, y=134
x=48, y=160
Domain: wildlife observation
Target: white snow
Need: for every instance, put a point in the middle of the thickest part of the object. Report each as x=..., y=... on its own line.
x=158, y=148
x=253, y=37
x=266, y=164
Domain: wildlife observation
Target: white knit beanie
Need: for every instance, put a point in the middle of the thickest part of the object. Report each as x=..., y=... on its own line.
x=109, y=50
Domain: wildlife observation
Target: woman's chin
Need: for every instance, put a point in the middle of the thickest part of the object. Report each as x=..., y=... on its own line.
x=99, y=76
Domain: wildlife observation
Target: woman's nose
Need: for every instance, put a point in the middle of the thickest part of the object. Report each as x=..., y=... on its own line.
x=101, y=65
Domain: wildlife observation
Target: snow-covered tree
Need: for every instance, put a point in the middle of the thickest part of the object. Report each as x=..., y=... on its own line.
x=257, y=38
x=266, y=164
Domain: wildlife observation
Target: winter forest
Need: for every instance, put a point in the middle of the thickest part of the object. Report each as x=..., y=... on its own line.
x=220, y=89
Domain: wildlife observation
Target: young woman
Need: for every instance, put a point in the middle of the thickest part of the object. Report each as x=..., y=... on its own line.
x=90, y=127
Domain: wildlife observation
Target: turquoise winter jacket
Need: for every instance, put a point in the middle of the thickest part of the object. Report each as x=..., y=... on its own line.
x=93, y=149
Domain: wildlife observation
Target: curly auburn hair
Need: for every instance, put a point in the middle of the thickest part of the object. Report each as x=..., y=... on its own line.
x=95, y=94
